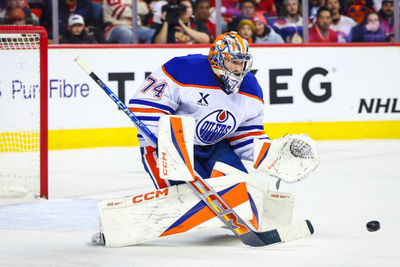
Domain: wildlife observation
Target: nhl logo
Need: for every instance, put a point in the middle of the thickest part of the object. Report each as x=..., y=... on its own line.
x=215, y=126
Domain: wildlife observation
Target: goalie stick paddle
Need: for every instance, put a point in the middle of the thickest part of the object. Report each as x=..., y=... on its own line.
x=207, y=194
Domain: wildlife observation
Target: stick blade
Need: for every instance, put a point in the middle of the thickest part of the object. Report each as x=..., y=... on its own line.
x=287, y=233
x=296, y=231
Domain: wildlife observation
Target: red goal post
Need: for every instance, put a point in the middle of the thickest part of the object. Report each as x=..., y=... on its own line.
x=23, y=112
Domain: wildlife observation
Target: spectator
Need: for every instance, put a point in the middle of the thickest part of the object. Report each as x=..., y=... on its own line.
x=118, y=17
x=321, y=32
x=386, y=15
x=313, y=7
x=156, y=10
x=179, y=27
x=368, y=31
x=246, y=30
x=77, y=33
x=3, y=4
x=30, y=18
x=368, y=3
x=266, y=6
x=247, y=10
x=290, y=26
x=16, y=16
x=291, y=11
x=229, y=8
x=359, y=9
x=67, y=8
x=90, y=11
x=225, y=19
x=377, y=4
x=340, y=23
x=203, y=15
x=264, y=34
x=46, y=16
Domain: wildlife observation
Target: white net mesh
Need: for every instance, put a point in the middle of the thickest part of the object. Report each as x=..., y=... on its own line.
x=19, y=115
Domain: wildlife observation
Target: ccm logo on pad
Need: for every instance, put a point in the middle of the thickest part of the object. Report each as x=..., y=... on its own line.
x=164, y=164
x=150, y=195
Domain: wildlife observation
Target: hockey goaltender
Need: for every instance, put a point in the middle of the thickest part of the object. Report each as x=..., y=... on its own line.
x=199, y=119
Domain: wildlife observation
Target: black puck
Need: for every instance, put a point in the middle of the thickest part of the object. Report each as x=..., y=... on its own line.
x=373, y=226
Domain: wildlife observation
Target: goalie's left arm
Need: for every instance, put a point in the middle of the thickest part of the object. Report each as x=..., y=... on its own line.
x=242, y=139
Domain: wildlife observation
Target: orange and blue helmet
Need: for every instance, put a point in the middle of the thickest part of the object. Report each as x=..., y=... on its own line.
x=233, y=48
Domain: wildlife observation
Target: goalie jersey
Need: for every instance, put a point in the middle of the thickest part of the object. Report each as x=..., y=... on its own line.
x=187, y=86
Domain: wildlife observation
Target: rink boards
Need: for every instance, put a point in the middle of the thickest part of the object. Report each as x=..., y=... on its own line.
x=342, y=92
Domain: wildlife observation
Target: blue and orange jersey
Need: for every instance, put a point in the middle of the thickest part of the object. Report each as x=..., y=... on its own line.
x=187, y=86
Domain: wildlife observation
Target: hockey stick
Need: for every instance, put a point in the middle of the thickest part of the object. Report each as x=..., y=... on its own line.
x=207, y=194
x=139, y=125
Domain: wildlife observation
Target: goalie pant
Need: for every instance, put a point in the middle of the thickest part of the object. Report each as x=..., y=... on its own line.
x=205, y=158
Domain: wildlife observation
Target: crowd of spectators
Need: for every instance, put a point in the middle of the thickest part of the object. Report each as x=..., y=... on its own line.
x=194, y=21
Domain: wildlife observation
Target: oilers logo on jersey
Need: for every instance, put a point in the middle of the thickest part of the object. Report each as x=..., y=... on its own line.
x=215, y=126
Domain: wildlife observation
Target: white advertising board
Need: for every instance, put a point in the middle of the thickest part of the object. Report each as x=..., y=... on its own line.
x=300, y=84
x=329, y=83
x=76, y=101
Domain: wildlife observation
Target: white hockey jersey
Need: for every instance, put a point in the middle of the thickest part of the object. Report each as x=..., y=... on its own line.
x=343, y=27
x=187, y=86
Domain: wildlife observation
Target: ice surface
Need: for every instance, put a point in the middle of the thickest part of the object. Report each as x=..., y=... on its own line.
x=357, y=181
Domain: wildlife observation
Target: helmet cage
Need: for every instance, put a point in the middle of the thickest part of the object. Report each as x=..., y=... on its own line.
x=233, y=79
x=230, y=47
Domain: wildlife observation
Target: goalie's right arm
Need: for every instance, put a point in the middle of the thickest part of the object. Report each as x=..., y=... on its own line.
x=155, y=98
x=290, y=158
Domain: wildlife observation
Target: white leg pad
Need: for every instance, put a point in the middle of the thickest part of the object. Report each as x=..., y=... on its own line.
x=274, y=208
x=176, y=210
x=170, y=211
x=277, y=210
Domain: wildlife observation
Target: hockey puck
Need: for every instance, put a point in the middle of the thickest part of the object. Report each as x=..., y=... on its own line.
x=373, y=226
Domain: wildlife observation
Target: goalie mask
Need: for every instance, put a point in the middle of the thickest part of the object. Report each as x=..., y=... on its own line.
x=230, y=60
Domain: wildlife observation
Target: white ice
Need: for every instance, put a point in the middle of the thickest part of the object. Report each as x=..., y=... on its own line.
x=357, y=181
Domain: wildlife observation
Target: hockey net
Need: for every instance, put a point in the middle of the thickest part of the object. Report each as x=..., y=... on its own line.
x=23, y=112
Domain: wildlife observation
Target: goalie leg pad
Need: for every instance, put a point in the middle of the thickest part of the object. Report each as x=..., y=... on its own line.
x=274, y=208
x=270, y=209
x=277, y=210
x=149, y=160
x=169, y=211
x=176, y=210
